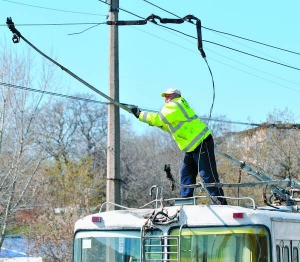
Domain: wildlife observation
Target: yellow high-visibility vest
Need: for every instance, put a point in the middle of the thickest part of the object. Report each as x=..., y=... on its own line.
x=178, y=118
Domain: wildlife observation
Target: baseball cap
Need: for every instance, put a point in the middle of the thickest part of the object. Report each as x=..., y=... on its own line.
x=171, y=90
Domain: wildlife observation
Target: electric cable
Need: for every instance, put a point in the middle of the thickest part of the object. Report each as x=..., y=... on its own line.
x=64, y=24
x=265, y=125
x=96, y=101
x=65, y=96
x=95, y=24
x=207, y=28
x=152, y=18
x=245, y=53
x=254, y=41
x=106, y=103
x=52, y=9
x=161, y=8
x=214, y=92
x=233, y=49
x=51, y=93
x=253, y=68
x=87, y=29
x=221, y=32
x=60, y=24
x=16, y=39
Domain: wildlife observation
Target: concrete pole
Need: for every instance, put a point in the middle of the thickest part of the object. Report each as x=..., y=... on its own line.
x=113, y=193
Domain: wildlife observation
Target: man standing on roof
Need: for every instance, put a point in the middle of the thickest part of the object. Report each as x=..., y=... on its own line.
x=192, y=136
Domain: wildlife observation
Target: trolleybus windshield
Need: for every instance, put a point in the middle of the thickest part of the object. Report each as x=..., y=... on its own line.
x=223, y=244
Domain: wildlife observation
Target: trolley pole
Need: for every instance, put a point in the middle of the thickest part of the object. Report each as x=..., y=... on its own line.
x=113, y=193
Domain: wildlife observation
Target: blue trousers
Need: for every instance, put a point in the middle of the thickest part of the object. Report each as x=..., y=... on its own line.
x=202, y=161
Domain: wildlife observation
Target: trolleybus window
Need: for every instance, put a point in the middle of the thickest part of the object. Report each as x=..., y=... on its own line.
x=117, y=246
x=286, y=254
x=223, y=244
x=278, y=253
x=295, y=255
x=96, y=246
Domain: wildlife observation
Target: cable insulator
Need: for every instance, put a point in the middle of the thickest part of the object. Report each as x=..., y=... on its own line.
x=171, y=21
x=133, y=22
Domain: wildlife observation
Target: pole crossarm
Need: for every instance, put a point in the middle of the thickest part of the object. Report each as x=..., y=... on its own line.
x=154, y=18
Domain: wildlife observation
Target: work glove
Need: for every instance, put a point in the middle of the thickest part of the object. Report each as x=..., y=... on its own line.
x=136, y=111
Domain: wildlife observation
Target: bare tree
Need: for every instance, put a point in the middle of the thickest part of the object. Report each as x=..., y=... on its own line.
x=20, y=153
x=282, y=146
x=67, y=197
x=272, y=148
x=73, y=132
x=143, y=158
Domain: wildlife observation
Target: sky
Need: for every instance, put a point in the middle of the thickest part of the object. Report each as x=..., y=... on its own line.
x=153, y=58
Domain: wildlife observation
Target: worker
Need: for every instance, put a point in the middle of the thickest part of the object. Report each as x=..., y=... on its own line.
x=192, y=136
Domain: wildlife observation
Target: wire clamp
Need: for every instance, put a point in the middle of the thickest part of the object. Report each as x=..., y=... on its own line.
x=16, y=33
x=15, y=38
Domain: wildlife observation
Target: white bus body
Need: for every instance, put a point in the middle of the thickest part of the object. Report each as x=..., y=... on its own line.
x=189, y=233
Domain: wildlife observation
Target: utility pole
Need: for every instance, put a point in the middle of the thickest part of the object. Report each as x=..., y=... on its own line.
x=113, y=193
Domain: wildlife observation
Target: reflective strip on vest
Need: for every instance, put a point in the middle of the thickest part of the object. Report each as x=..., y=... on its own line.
x=145, y=117
x=196, y=139
x=180, y=124
x=182, y=109
x=163, y=118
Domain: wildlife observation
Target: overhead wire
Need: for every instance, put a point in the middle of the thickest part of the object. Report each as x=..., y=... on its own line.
x=58, y=24
x=219, y=45
x=282, y=64
x=16, y=38
x=221, y=32
x=206, y=61
x=239, y=50
x=260, y=77
x=96, y=24
x=86, y=29
x=172, y=29
x=249, y=47
x=291, y=126
x=105, y=103
x=64, y=24
x=253, y=41
x=253, y=68
x=52, y=9
x=211, y=29
x=51, y=93
x=152, y=18
x=218, y=31
x=188, y=35
x=262, y=58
